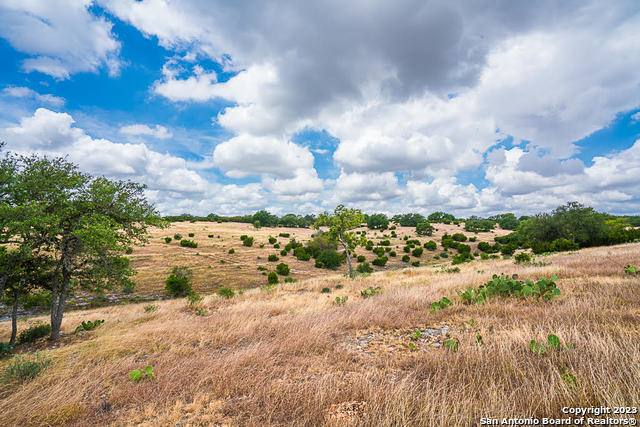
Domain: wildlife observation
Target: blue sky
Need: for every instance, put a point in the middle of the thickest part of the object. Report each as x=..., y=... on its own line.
x=230, y=108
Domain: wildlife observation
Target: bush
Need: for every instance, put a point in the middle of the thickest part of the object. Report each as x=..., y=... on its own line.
x=378, y=221
x=226, y=292
x=283, y=252
x=272, y=240
x=378, y=251
x=178, y=284
x=508, y=249
x=167, y=239
x=289, y=280
x=462, y=248
x=416, y=263
x=248, y=241
x=444, y=254
x=361, y=258
x=210, y=236
x=417, y=252
x=34, y=332
x=463, y=257
x=191, y=234
x=479, y=225
x=232, y=251
x=522, y=257
x=406, y=258
x=392, y=253
x=301, y=253
x=282, y=269
x=330, y=259
x=272, y=258
x=272, y=278
x=188, y=243
x=364, y=268
x=473, y=239
x=424, y=229
x=325, y=290
x=459, y=237
x=284, y=235
x=561, y=245
x=431, y=245
x=23, y=367
x=380, y=261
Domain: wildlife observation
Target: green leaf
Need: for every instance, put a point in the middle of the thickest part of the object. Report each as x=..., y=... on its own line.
x=149, y=371
x=135, y=375
x=553, y=341
x=554, y=278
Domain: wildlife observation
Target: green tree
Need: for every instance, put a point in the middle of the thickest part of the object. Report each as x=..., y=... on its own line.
x=378, y=221
x=424, y=229
x=340, y=225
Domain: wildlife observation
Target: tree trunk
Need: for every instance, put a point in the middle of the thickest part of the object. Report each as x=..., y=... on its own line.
x=346, y=248
x=3, y=281
x=14, y=318
x=58, y=301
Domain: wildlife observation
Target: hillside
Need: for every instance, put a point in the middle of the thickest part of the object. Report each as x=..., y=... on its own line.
x=291, y=356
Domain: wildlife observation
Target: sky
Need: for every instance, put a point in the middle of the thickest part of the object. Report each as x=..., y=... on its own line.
x=469, y=107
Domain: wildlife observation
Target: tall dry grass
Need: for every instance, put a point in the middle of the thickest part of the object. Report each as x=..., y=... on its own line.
x=287, y=356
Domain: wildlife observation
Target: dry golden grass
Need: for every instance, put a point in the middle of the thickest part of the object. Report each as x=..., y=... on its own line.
x=239, y=270
x=287, y=356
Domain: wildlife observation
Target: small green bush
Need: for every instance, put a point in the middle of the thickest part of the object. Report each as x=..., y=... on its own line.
x=364, y=268
x=431, y=245
x=232, y=251
x=191, y=234
x=177, y=236
x=392, y=253
x=378, y=251
x=459, y=237
x=33, y=333
x=417, y=252
x=178, y=284
x=522, y=257
x=272, y=240
x=361, y=258
x=188, y=243
x=272, y=258
x=23, y=367
x=289, y=280
x=380, y=261
x=276, y=246
x=325, y=290
x=272, y=278
x=283, y=252
x=167, y=239
x=406, y=258
x=282, y=269
x=248, y=241
x=284, y=234
x=226, y=292
x=416, y=263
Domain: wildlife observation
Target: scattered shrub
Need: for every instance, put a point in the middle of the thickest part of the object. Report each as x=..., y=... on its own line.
x=23, y=367
x=272, y=258
x=508, y=249
x=330, y=259
x=276, y=246
x=283, y=252
x=178, y=284
x=417, y=252
x=431, y=245
x=384, y=243
x=361, y=258
x=177, y=236
x=284, y=234
x=364, y=268
x=282, y=269
x=325, y=290
x=380, y=261
x=406, y=258
x=33, y=333
x=459, y=237
x=167, y=239
x=522, y=257
x=301, y=254
x=232, y=251
x=416, y=263
x=289, y=280
x=424, y=229
x=188, y=243
x=248, y=241
x=272, y=240
x=226, y=292
x=191, y=234
x=561, y=245
x=392, y=253
x=210, y=236
x=272, y=278
x=378, y=251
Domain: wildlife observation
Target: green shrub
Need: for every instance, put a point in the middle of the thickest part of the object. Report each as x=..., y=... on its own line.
x=88, y=325
x=330, y=259
x=167, y=239
x=473, y=239
x=247, y=241
x=416, y=263
x=417, y=252
x=272, y=258
x=272, y=278
x=325, y=290
x=178, y=284
x=5, y=349
x=289, y=280
x=194, y=299
x=459, y=237
x=23, y=367
x=364, y=268
x=378, y=251
x=431, y=245
x=232, y=251
x=38, y=299
x=380, y=261
x=284, y=234
x=461, y=258
x=522, y=257
x=272, y=240
x=508, y=249
x=188, y=243
x=33, y=333
x=191, y=234
x=384, y=243
x=283, y=252
x=177, y=236
x=301, y=254
x=561, y=245
x=361, y=258
x=282, y=269
x=424, y=229
x=406, y=258
x=276, y=246
x=392, y=253
x=210, y=236
x=226, y=292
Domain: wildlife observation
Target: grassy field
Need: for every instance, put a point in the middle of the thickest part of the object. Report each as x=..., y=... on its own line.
x=214, y=267
x=291, y=356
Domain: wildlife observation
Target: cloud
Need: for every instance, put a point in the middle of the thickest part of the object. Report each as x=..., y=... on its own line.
x=61, y=37
x=27, y=93
x=358, y=187
x=157, y=131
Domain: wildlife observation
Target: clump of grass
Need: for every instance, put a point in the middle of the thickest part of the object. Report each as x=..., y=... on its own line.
x=22, y=367
x=226, y=292
x=33, y=333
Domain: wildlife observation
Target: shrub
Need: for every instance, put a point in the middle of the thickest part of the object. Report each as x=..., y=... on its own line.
x=167, y=239
x=416, y=263
x=406, y=258
x=424, y=229
x=248, y=241
x=177, y=236
x=272, y=258
x=378, y=251
x=431, y=245
x=272, y=240
x=301, y=253
x=23, y=367
x=191, y=234
x=508, y=249
x=380, y=261
x=33, y=333
x=479, y=225
x=459, y=237
x=561, y=245
x=272, y=278
x=232, y=251
x=289, y=280
x=178, y=284
x=370, y=291
x=188, y=243
x=462, y=248
x=417, y=252
x=325, y=290
x=210, y=236
x=276, y=246
x=444, y=254
x=226, y=292
x=392, y=253
x=364, y=268
x=522, y=257
x=378, y=221
x=284, y=234
x=463, y=257
x=473, y=239
x=88, y=325
x=257, y=224
x=384, y=243
x=508, y=286
x=330, y=259
x=283, y=252
x=282, y=269
x=361, y=258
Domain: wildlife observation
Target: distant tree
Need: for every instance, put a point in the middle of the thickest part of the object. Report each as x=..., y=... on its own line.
x=264, y=218
x=378, y=221
x=424, y=229
x=340, y=224
x=440, y=216
x=408, y=220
